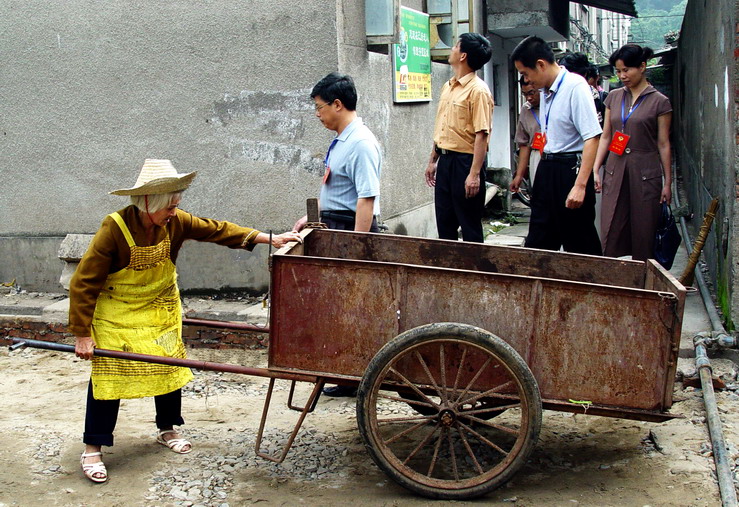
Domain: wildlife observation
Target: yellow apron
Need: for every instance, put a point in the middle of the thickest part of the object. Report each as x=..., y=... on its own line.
x=139, y=310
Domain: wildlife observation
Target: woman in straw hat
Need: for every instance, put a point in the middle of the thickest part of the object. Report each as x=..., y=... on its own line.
x=124, y=296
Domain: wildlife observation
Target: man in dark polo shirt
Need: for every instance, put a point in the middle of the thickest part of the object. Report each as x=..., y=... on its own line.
x=456, y=168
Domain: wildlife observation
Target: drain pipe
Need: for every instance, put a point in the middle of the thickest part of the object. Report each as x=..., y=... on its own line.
x=703, y=365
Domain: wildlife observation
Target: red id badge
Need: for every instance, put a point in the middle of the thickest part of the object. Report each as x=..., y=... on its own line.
x=326, y=175
x=619, y=142
x=540, y=140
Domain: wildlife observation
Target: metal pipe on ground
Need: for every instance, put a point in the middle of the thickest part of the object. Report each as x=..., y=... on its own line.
x=703, y=365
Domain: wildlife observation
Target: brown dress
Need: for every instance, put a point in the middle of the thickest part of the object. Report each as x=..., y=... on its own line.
x=632, y=182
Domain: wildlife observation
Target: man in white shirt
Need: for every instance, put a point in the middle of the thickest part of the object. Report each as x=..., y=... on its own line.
x=563, y=200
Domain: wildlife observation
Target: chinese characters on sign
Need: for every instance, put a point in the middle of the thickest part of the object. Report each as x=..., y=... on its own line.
x=412, y=58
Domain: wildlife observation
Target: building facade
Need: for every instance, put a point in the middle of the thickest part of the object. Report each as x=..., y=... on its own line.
x=88, y=94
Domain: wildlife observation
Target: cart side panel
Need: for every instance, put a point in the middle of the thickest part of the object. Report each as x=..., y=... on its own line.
x=330, y=316
x=582, y=342
x=659, y=279
x=607, y=345
x=475, y=257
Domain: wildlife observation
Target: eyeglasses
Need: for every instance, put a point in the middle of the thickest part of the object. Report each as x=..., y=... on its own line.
x=531, y=93
x=318, y=108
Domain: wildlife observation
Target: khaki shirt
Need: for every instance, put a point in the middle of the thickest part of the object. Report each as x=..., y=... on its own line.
x=465, y=108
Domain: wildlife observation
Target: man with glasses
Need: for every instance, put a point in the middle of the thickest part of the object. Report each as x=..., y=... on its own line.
x=350, y=192
x=456, y=168
x=529, y=125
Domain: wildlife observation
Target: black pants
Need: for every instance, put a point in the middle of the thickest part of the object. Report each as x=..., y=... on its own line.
x=552, y=224
x=453, y=209
x=102, y=415
x=344, y=221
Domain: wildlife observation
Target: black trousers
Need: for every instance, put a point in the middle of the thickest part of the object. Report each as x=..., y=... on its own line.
x=552, y=224
x=453, y=209
x=102, y=415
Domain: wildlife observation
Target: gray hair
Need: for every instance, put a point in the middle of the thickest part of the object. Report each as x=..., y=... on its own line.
x=156, y=201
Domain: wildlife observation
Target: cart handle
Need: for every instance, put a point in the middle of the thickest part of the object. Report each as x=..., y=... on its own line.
x=172, y=361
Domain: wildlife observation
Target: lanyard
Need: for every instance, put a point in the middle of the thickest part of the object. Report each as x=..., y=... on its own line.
x=554, y=95
x=331, y=146
x=536, y=117
x=631, y=110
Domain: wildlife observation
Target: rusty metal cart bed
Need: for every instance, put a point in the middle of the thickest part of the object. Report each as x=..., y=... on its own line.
x=457, y=347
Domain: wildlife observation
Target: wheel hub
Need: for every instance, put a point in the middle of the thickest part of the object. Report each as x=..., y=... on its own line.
x=447, y=417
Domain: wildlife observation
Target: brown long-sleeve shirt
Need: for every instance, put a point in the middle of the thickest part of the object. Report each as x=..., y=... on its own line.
x=109, y=253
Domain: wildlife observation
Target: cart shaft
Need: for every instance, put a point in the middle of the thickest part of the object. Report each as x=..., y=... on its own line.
x=172, y=361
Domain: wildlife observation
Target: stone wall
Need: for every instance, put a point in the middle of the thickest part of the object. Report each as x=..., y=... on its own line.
x=705, y=136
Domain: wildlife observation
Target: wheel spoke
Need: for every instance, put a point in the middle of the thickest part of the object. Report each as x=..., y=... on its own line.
x=437, y=446
x=505, y=429
x=417, y=418
x=442, y=368
x=484, y=440
x=428, y=374
x=453, y=454
x=409, y=401
x=487, y=410
x=405, y=432
x=489, y=392
x=469, y=451
x=422, y=444
x=412, y=386
x=474, y=379
x=459, y=371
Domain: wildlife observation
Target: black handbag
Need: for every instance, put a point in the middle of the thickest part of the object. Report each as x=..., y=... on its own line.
x=667, y=238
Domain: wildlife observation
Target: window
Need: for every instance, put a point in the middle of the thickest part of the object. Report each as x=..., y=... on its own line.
x=448, y=19
x=382, y=21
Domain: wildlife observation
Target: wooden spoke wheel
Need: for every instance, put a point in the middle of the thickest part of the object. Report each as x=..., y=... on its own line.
x=425, y=403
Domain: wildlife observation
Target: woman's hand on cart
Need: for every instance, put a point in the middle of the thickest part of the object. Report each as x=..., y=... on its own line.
x=84, y=347
x=280, y=240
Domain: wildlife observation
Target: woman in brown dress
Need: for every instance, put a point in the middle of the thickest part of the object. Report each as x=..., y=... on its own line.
x=637, y=177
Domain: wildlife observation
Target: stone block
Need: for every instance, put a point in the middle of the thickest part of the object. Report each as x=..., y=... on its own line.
x=74, y=246
x=71, y=250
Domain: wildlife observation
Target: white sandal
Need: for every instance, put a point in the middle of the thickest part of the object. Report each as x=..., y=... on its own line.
x=178, y=445
x=92, y=469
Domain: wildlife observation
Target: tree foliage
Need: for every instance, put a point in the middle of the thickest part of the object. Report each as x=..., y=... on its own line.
x=657, y=18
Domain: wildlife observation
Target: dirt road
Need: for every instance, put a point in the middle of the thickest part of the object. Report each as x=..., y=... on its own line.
x=579, y=460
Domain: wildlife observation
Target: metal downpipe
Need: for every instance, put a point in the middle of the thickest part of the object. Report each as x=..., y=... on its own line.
x=703, y=365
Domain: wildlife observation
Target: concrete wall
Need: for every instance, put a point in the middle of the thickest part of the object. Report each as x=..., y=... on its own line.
x=92, y=88
x=705, y=135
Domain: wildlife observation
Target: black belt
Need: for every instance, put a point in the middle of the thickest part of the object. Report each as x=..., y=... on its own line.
x=345, y=216
x=442, y=151
x=564, y=156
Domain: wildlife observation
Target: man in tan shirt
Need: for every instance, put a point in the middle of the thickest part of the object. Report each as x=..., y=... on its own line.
x=463, y=124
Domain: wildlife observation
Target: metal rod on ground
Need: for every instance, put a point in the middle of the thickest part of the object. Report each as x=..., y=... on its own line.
x=720, y=454
x=687, y=277
x=703, y=365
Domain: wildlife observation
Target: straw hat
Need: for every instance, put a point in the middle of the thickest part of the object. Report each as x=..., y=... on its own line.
x=158, y=177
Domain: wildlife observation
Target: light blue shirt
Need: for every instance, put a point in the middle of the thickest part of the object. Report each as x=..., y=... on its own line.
x=570, y=109
x=355, y=160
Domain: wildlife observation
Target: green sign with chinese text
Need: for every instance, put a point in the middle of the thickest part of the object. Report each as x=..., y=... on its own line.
x=412, y=58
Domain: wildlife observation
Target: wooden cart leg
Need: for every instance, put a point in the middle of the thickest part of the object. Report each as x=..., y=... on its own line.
x=309, y=406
